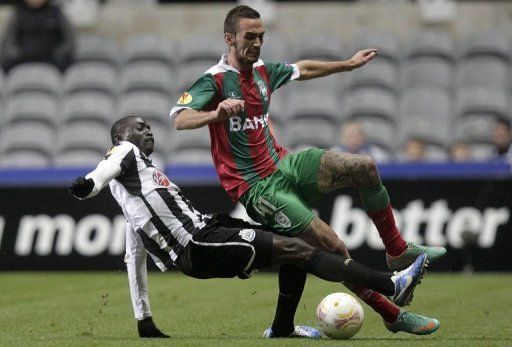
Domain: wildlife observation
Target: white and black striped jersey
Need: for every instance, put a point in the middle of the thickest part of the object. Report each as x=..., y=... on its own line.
x=154, y=206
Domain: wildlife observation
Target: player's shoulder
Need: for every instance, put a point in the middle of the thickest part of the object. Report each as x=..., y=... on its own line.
x=123, y=148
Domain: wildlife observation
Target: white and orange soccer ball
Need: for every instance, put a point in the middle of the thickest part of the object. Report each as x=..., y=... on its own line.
x=340, y=316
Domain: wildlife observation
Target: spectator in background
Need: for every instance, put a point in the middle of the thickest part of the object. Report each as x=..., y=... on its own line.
x=353, y=140
x=460, y=152
x=415, y=150
x=502, y=138
x=38, y=31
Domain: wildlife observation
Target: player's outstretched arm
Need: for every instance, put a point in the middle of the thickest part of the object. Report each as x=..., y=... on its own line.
x=310, y=69
x=90, y=185
x=193, y=119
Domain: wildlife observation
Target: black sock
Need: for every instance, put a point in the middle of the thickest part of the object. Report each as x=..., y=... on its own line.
x=291, y=284
x=335, y=268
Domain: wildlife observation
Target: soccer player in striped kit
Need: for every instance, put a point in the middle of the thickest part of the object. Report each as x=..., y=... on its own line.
x=276, y=186
x=161, y=221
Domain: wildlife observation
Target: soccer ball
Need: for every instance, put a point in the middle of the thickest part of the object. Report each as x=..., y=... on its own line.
x=340, y=316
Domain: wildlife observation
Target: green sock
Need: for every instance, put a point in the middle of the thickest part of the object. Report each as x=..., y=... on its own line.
x=374, y=198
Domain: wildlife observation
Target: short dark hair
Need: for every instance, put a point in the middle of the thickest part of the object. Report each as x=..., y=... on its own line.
x=504, y=121
x=119, y=127
x=235, y=14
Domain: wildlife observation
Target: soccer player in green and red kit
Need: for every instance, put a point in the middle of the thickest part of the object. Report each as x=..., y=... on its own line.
x=276, y=186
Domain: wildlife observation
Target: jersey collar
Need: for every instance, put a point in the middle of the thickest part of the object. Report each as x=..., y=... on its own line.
x=223, y=64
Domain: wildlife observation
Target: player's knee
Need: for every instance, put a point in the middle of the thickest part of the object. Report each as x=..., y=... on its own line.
x=368, y=173
x=291, y=250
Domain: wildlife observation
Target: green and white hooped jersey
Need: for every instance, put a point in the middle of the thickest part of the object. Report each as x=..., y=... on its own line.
x=243, y=147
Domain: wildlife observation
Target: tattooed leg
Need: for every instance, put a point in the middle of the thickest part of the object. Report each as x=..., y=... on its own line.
x=340, y=170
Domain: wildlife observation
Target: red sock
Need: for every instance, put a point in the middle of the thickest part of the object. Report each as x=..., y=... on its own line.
x=385, y=223
x=388, y=311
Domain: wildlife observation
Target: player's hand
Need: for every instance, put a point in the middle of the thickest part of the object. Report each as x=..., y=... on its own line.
x=81, y=187
x=362, y=57
x=147, y=328
x=229, y=108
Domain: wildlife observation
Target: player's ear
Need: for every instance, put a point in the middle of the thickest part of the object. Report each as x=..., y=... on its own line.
x=117, y=139
x=229, y=38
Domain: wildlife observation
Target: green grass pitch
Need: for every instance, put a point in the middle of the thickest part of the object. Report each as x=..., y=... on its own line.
x=93, y=309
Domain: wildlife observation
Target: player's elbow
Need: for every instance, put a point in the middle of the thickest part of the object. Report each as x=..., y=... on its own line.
x=179, y=124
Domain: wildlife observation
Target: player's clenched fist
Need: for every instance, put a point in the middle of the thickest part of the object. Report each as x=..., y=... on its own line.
x=229, y=108
x=81, y=187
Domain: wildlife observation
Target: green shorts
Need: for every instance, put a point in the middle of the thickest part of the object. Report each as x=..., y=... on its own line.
x=281, y=200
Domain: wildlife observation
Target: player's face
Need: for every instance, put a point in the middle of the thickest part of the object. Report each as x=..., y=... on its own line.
x=139, y=133
x=248, y=40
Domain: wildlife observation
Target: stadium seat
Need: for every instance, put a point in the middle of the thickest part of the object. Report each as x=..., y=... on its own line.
x=147, y=76
x=77, y=135
x=321, y=46
x=189, y=72
x=476, y=110
x=387, y=44
x=152, y=106
x=182, y=139
x=427, y=72
x=492, y=43
x=91, y=76
x=475, y=129
x=481, y=151
x=163, y=134
x=97, y=49
x=370, y=102
x=149, y=48
x=432, y=44
x=24, y=159
x=483, y=71
x=482, y=102
x=313, y=103
x=34, y=77
x=310, y=132
x=200, y=155
x=204, y=48
x=376, y=109
x=329, y=84
x=24, y=137
x=33, y=108
x=92, y=106
x=78, y=157
x=426, y=113
x=379, y=73
x=275, y=48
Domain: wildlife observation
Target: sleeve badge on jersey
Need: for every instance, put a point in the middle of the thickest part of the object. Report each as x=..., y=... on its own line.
x=161, y=179
x=110, y=151
x=185, y=99
x=247, y=234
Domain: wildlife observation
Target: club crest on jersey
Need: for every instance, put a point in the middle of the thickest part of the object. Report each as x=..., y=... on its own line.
x=234, y=95
x=247, y=234
x=282, y=219
x=263, y=90
x=185, y=99
x=161, y=179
